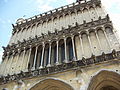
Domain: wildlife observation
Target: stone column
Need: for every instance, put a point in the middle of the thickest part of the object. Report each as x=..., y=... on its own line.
x=11, y=61
x=65, y=45
x=22, y=66
x=81, y=44
x=96, y=12
x=30, y=50
x=42, y=57
x=107, y=40
x=35, y=58
x=49, y=58
x=90, y=43
x=98, y=41
x=57, y=55
x=17, y=68
x=3, y=69
x=73, y=46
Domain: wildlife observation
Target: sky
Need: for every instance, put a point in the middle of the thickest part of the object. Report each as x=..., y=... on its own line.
x=11, y=10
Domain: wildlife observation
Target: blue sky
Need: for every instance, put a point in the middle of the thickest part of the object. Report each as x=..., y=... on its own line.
x=11, y=10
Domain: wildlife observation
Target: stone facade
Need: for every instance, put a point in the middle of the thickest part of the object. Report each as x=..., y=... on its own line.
x=74, y=47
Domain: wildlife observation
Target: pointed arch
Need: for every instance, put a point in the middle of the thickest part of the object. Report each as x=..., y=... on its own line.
x=105, y=79
x=51, y=84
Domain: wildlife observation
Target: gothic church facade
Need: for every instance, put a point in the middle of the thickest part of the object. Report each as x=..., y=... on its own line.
x=74, y=47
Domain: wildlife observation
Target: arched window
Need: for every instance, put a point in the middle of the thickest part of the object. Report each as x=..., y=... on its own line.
x=46, y=55
x=51, y=84
x=95, y=44
x=80, y=17
x=31, y=61
x=69, y=49
x=61, y=51
x=93, y=13
x=39, y=55
x=53, y=53
x=86, y=46
x=103, y=41
x=100, y=11
x=112, y=38
x=105, y=80
x=86, y=15
x=78, y=48
x=73, y=18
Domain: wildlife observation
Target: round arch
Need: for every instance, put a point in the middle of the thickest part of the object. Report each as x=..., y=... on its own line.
x=51, y=84
x=105, y=79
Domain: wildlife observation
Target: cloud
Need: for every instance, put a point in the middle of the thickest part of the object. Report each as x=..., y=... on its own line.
x=5, y=21
x=70, y=1
x=45, y=5
x=5, y=1
x=112, y=7
x=110, y=3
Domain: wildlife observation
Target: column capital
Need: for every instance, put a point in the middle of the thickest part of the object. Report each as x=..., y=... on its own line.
x=50, y=43
x=57, y=41
x=65, y=38
x=80, y=35
x=13, y=52
x=88, y=33
x=18, y=51
x=30, y=46
x=72, y=36
x=43, y=44
x=24, y=48
x=95, y=31
x=37, y=47
x=8, y=53
x=49, y=40
x=56, y=38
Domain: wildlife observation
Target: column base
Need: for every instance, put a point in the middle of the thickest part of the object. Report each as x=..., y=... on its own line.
x=66, y=61
x=57, y=63
x=74, y=59
x=40, y=67
x=49, y=65
x=26, y=70
x=33, y=68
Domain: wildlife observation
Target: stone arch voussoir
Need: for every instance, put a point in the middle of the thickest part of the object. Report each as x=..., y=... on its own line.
x=51, y=84
x=103, y=79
